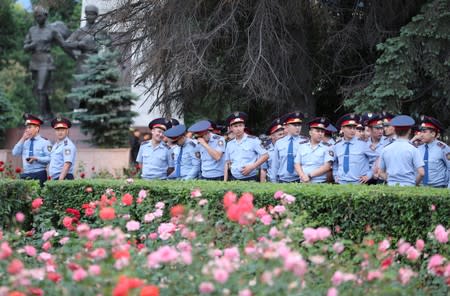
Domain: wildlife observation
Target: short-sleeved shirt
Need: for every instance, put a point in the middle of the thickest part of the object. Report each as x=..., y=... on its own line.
x=155, y=160
x=41, y=150
x=312, y=158
x=241, y=153
x=189, y=162
x=361, y=158
x=438, y=163
x=400, y=160
x=280, y=158
x=62, y=152
x=267, y=165
x=211, y=168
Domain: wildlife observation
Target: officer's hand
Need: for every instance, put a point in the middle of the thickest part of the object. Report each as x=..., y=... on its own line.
x=26, y=135
x=201, y=141
x=31, y=159
x=247, y=169
x=363, y=179
x=305, y=178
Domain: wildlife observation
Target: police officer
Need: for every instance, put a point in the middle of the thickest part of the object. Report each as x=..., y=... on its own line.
x=400, y=161
x=352, y=156
x=275, y=132
x=435, y=154
x=211, y=148
x=388, y=129
x=314, y=158
x=286, y=149
x=34, y=149
x=244, y=154
x=328, y=134
x=184, y=154
x=376, y=142
x=62, y=157
x=154, y=155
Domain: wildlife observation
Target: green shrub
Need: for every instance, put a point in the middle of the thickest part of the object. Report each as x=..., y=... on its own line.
x=350, y=210
x=16, y=196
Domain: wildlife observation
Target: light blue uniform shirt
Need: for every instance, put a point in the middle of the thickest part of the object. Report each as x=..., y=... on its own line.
x=247, y=151
x=155, y=160
x=211, y=168
x=313, y=158
x=400, y=160
x=41, y=150
x=280, y=158
x=189, y=162
x=267, y=165
x=62, y=152
x=361, y=158
x=438, y=163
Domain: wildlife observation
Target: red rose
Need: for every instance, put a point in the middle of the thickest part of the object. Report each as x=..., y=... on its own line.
x=107, y=214
x=37, y=203
x=177, y=210
x=127, y=199
x=15, y=266
x=82, y=175
x=1, y=163
x=18, y=170
x=2, y=169
x=149, y=290
x=54, y=277
x=73, y=212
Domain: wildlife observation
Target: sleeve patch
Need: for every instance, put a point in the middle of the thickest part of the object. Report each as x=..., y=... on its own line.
x=197, y=154
x=331, y=153
x=49, y=148
x=67, y=151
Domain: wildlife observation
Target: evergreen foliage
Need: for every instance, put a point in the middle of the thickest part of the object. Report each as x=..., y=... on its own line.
x=6, y=115
x=108, y=116
x=413, y=71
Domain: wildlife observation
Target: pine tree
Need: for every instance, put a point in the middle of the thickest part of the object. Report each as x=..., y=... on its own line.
x=108, y=116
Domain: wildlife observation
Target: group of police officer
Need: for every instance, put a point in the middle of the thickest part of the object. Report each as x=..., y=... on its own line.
x=387, y=154
x=37, y=152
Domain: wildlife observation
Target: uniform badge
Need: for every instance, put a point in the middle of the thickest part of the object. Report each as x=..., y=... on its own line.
x=448, y=156
x=49, y=148
x=173, y=156
x=220, y=143
x=331, y=153
x=67, y=151
x=197, y=154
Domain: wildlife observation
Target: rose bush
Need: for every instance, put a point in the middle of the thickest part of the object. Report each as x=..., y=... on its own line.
x=101, y=249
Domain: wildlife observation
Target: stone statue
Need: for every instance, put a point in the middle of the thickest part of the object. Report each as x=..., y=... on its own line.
x=39, y=41
x=86, y=41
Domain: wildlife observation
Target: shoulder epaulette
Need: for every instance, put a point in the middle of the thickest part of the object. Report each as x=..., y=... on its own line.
x=441, y=145
x=44, y=138
x=304, y=142
x=216, y=137
x=191, y=143
x=251, y=137
x=362, y=140
x=327, y=144
x=391, y=143
x=338, y=141
x=145, y=142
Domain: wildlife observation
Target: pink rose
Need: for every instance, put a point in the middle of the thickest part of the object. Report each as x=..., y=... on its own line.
x=46, y=246
x=405, y=274
x=338, y=247
x=245, y=292
x=435, y=261
x=441, y=234
x=289, y=199
x=94, y=270
x=332, y=292
x=420, y=245
x=206, y=288
x=383, y=245
x=30, y=251
x=412, y=254
x=374, y=274
x=273, y=232
x=167, y=254
x=231, y=253
x=133, y=225
x=196, y=193
x=279, y=209
x=266, y=219
x=149, y=217
x=220, y=275
x=79, y=274
x=323, y=233
x=278, y=194
x=142, y=193
x=20, y=217
x=160, y=205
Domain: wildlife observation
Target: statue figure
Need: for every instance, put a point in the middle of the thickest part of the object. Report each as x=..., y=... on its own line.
x=39, y=41
x=86, y=41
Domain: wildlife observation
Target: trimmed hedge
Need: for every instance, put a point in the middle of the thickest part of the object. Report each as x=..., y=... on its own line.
x=393, y=211
x=16, y=196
